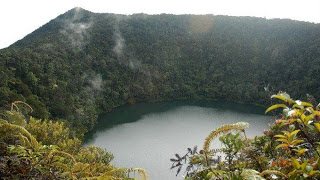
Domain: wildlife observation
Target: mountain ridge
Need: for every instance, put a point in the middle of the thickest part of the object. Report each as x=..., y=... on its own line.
x=81, y=64
x=74, y=10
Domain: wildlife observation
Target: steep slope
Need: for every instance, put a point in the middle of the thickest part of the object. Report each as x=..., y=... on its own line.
x=82, y=63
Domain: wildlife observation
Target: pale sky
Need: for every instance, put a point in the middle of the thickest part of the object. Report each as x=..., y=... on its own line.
x=20, y=17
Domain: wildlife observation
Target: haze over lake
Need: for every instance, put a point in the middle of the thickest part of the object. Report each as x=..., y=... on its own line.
x=147, y=135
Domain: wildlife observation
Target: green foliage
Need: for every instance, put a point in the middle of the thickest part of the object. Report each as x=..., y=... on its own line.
x=16, y=118
x=50, y=132
x=232, y=146
x=289, y=150
x=93, y=154
x=40, y=110
x=222, y=130
x=46, y=150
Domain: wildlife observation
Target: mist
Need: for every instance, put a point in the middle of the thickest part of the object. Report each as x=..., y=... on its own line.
x=76, y=30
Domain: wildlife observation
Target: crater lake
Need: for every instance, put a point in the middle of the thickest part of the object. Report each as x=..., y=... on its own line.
x=147, y=135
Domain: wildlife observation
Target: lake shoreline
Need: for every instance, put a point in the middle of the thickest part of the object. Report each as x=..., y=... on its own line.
x=179, y=99
x=154, y=131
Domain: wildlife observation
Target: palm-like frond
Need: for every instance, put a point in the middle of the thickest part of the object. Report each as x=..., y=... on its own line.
x=240, y=126
x=142, y=173
x=54, y=151
x=251, y=174
x=14, y=105
x=271, y=172
x=29, y=138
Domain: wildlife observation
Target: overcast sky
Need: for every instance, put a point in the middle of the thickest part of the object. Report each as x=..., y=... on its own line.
x=20, y=17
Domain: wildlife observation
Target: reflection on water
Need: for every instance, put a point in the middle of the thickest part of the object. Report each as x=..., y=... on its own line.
x=147, y=135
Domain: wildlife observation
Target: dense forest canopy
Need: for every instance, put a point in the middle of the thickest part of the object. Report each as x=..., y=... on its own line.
x=82, y=63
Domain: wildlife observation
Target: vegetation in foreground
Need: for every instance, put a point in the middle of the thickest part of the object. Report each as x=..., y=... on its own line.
x=288, y=150
x=35, y=149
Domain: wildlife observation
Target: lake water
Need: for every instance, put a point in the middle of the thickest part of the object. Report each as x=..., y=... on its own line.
x=147, y=135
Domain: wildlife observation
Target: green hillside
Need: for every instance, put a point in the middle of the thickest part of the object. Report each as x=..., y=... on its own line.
x=81, y=64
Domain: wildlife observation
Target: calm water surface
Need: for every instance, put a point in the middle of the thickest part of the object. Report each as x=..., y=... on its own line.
x=147, y=135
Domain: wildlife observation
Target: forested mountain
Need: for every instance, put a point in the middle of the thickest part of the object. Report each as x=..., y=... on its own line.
x=82, y=63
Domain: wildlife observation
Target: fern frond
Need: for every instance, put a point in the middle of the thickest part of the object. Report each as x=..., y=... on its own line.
x=142, y=173
x=64, y=167
x=112, y=174
x=214, y=151
x=54, y=151
x=2, y=121
x=14, y=104
x=240, y=126
x=270, y=172
x=23, y=140
x=17, y=118
x=81, y=168
x=34, y=143
x=251, y=174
